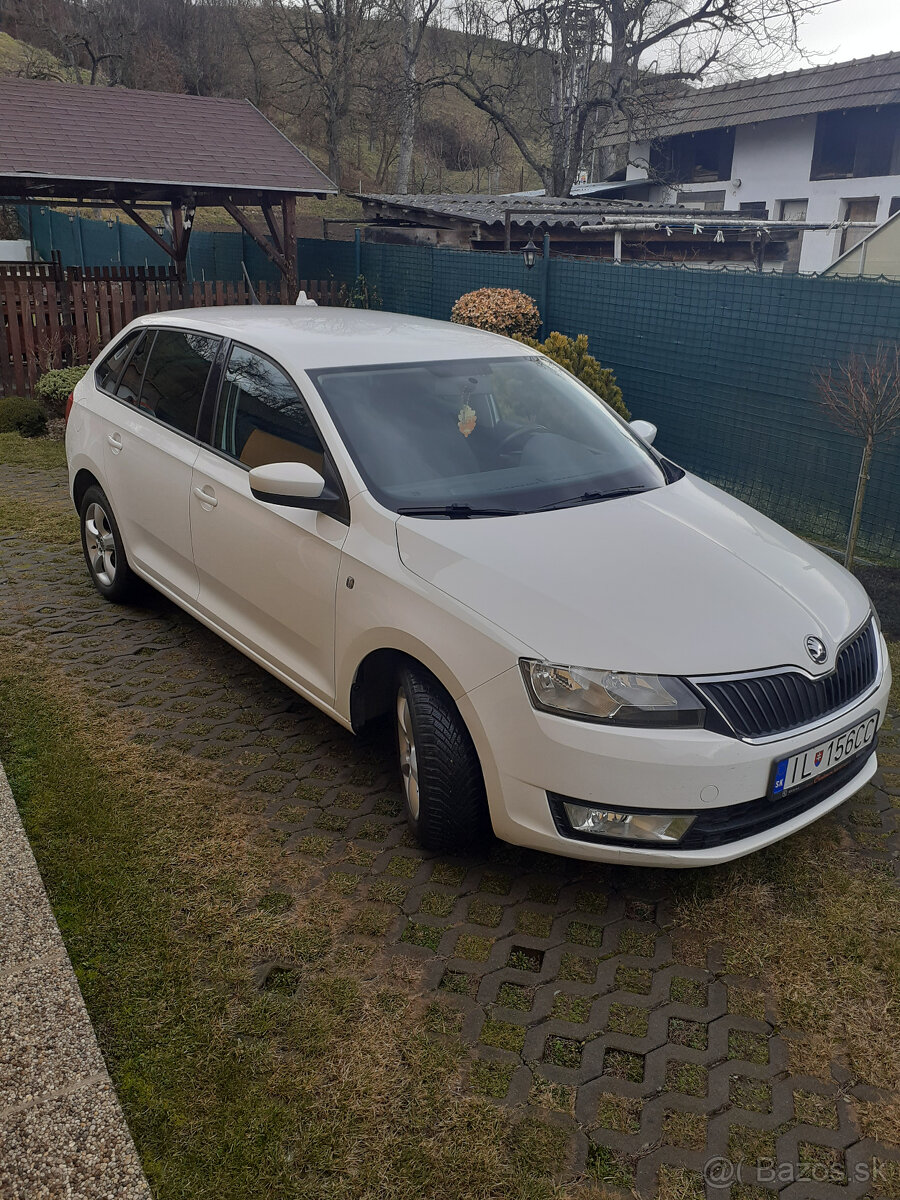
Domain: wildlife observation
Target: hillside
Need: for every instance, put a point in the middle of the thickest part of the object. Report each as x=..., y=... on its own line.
x=456, y=147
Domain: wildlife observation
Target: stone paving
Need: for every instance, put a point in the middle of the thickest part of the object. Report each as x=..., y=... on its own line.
x=568, y=981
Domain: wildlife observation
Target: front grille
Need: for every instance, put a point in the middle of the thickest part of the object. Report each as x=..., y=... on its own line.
x=768, y=704
x=733, y=822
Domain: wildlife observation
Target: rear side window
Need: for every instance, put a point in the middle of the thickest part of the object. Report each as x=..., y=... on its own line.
x=262, y=417
x=110, y=368
x=130, y=384
x=175, y=377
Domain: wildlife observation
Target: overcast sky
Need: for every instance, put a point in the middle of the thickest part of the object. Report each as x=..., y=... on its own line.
x=853, y=29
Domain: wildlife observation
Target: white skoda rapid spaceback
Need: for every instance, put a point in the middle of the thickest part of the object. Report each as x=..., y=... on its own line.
x=579, y=644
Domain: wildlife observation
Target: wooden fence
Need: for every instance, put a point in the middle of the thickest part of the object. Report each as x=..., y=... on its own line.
x=51, y=316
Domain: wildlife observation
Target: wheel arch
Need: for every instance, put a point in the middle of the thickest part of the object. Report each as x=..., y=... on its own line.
x=80, y=484
x=371, y=692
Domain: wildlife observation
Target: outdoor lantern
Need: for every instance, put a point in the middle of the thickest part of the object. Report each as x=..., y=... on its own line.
x=529, y=253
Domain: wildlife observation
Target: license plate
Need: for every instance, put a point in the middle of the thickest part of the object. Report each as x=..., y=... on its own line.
x=800, y=769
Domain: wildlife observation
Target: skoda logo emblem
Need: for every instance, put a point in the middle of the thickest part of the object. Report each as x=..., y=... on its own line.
x=816, y=649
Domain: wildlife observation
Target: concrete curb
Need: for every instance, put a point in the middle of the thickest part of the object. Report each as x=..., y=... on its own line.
x=62, y=1131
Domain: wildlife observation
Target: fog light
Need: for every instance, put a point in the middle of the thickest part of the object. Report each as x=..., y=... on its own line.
x=628, y=826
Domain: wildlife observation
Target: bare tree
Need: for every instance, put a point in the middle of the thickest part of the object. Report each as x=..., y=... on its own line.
x=554, y=73
x=414, y=17
x=862, y=396
x=87, y=37
x=328, y=40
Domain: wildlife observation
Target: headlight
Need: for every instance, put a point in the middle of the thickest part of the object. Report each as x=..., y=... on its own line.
x=611, y=696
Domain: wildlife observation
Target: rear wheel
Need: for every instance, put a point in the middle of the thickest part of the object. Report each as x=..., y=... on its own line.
x=441, y=776
x=103, y=549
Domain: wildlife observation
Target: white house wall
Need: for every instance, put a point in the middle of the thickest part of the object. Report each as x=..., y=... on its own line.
x=772, y=161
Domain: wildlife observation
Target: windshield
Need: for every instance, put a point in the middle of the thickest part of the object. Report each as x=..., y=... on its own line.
x=501, y=435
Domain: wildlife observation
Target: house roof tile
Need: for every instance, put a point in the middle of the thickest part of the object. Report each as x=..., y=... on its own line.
x=860, y=83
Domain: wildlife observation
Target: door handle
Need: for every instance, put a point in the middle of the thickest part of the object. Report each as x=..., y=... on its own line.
x=206, y=496
x=115, y=442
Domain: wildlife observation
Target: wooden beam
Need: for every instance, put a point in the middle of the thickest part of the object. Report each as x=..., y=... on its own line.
x=182, y=223
x=130, y=211
x=276, y=233
x=289, y=245
x=244, y=221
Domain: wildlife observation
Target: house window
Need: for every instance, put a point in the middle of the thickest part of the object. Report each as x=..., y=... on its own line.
x=703, y=157
x=857, y=143
x=754, y=208
x=865, y=210
x=711, y=201
x=792, y=210
x=895, y=205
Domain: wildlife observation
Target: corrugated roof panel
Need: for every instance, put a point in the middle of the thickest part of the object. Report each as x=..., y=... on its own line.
x=548, y=212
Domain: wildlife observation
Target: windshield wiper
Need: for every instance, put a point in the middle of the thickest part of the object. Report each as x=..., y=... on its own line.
x=457, y=510
x=587, y=497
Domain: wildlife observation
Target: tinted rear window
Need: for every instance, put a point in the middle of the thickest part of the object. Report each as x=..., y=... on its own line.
x=175, y=377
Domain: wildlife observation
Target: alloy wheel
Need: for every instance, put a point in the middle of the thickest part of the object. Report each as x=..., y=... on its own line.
x=101, y=544
x=408, y=764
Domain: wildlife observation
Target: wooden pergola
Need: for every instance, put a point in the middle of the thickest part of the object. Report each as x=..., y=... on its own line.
x=64, y=144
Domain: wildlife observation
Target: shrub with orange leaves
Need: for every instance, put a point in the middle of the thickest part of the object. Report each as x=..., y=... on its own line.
x=499, y=310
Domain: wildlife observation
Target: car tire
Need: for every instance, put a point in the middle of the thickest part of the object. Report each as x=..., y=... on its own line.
x=103, y=549
x=440, y=774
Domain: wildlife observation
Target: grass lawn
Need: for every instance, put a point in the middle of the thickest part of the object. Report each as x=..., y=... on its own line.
x=262, y=1041
x=40, y=453
x=328, y=1083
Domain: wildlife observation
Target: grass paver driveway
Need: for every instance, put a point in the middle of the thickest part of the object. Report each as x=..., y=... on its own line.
x=294, y=1000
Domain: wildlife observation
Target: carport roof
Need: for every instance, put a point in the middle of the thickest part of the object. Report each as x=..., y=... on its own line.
x=67, y=140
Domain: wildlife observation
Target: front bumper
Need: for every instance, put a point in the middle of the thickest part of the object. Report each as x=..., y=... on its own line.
x=528, y=756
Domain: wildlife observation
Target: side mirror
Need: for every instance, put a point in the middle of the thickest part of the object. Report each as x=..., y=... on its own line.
x=645, y=430
x=292, y=483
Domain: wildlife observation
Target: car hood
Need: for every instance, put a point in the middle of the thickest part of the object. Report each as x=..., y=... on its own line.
x=683, y=580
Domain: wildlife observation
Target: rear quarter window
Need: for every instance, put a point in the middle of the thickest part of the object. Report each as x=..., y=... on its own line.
x=109, y=369
x=129, y=387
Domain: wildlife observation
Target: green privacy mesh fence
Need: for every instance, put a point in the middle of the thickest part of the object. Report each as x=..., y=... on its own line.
x=722, y=361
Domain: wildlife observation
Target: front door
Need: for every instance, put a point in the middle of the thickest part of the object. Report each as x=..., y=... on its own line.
x=150, y=450
x=267, y=572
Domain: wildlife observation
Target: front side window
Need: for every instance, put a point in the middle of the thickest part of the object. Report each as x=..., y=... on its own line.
x=175, y=377
x=508, y=434
x=262, y=417
x=110, y=368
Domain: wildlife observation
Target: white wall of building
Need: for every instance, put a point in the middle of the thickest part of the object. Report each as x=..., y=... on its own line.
x=15, y=251
x=772, y=161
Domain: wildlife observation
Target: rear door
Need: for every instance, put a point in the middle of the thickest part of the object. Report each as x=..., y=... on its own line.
x=151, y=446
x=267, y=572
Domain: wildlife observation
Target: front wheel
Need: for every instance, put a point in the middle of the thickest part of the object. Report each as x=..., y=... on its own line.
x=443, y=787
x=103, y=549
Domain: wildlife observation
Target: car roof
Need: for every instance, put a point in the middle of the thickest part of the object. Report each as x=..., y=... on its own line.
x=311, y=338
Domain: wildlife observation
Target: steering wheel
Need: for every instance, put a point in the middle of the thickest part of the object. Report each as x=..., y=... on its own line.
x=524, y=431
